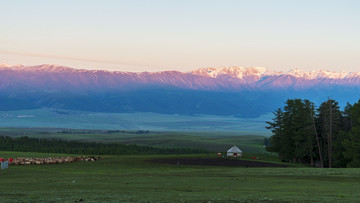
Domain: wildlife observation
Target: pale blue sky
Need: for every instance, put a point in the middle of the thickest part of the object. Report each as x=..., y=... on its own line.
x=181, y=35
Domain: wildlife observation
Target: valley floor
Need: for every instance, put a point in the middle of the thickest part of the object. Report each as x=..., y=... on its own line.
x=51, y=118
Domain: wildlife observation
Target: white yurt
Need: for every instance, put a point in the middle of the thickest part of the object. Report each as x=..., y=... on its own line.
x=234, y=152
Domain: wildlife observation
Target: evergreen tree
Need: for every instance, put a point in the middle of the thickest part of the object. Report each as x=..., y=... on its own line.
x=293, y=133
x=352, y=147
x=329, y=121
x=351, y=142
x=277, y=129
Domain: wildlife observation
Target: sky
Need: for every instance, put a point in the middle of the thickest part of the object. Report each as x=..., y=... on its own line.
x=157, y=35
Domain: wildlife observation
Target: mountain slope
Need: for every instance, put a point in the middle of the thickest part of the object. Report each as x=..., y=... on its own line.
x=248, y=92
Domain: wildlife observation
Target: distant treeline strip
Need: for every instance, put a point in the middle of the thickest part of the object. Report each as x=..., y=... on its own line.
x=27, y=144
x=104, y=131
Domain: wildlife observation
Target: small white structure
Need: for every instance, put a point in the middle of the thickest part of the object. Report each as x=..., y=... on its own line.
x=234, y=152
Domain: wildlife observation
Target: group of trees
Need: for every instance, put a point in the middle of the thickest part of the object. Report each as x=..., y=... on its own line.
x=323, y=136
x=27, y=144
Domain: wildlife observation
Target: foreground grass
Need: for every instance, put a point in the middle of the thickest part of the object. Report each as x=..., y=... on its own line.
x=135, y=179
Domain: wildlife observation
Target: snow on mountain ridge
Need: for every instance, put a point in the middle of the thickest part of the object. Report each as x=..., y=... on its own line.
x=242, y=73
x=234, y=71
x=44, y=67
x=7, y=66
x=317, y=74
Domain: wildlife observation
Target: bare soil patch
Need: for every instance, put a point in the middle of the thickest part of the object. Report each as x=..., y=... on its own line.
x=216, y=162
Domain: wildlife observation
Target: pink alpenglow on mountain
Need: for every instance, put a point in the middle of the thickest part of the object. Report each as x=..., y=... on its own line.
x=224, y=78
x=248, y=92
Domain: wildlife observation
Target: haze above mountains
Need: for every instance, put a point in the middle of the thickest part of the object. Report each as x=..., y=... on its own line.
x=245, y=92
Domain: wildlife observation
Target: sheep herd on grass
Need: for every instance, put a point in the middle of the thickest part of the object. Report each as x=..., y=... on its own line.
x=50, y=160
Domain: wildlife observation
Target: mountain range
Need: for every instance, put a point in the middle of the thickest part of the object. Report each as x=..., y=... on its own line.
x=246, y=92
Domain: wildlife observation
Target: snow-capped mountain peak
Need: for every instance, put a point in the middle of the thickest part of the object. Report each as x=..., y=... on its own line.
x=317, y=74
x=297, y=73
x=232, y=71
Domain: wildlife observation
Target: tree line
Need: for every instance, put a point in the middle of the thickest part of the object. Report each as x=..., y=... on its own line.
x=103, y=131
x=28, y=144
x=322, y=137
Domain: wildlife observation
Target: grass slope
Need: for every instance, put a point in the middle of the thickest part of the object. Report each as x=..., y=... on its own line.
x=134, y=179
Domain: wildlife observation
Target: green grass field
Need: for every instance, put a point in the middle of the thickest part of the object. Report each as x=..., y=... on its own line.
x=135, y=179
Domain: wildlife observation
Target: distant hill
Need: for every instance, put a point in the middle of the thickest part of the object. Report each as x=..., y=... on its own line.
x=247, y=92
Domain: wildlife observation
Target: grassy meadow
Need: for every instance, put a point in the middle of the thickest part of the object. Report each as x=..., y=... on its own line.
x=136, y=179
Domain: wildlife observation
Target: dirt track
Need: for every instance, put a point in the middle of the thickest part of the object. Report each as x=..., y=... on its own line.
x=216, y=162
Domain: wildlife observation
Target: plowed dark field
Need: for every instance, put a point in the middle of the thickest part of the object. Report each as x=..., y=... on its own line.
x=216, y=162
